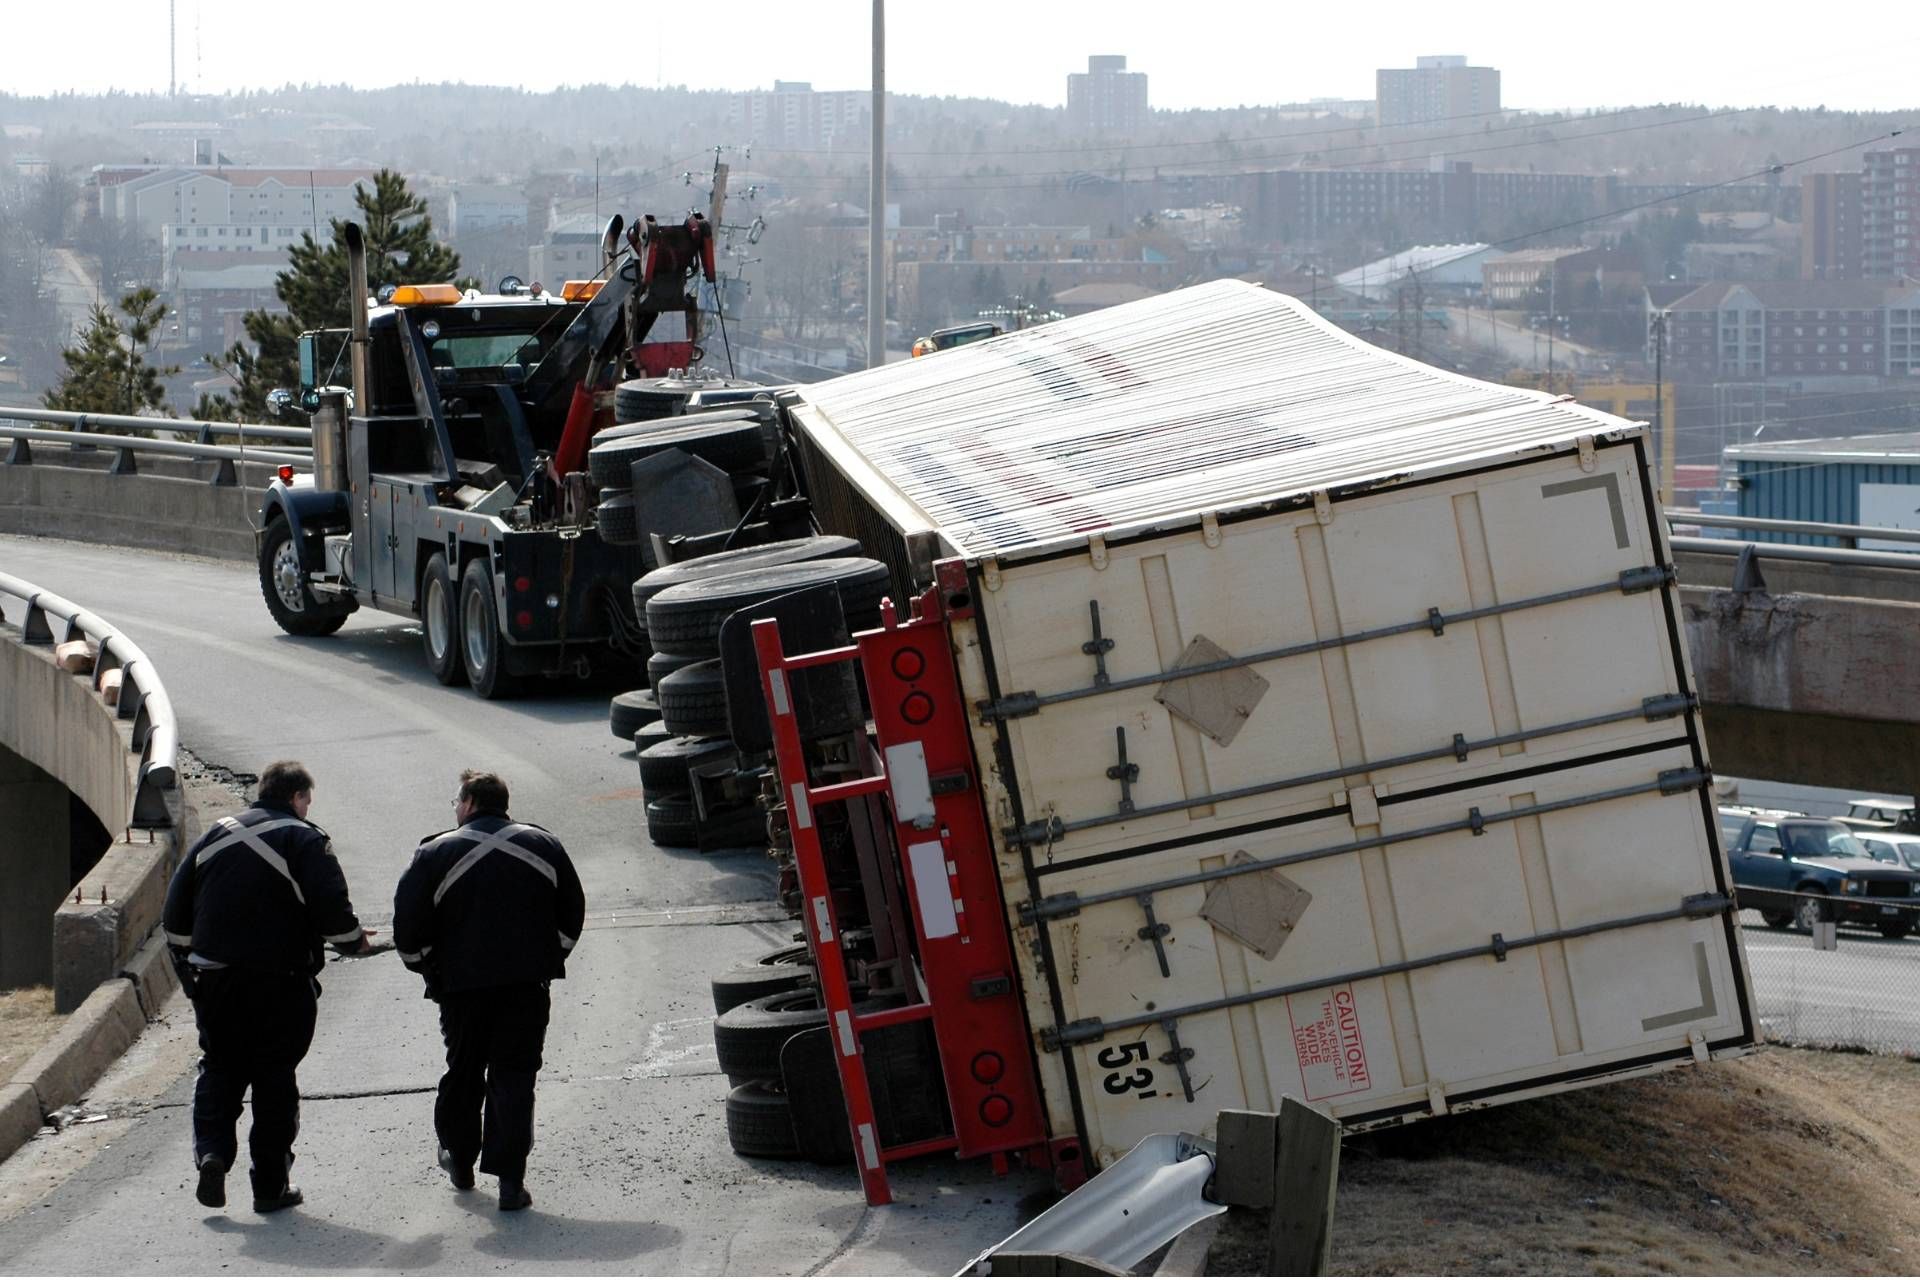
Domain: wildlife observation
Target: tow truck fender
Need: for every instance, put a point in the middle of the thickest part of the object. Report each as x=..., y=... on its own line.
x=303, y=508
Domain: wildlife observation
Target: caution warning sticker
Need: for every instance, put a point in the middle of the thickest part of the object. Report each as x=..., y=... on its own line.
x=1326, y=1038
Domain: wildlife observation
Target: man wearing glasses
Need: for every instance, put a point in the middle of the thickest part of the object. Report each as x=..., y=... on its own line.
x=487, y=913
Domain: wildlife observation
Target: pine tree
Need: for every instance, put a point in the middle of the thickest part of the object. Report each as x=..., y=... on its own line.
x=108, y=372
x=400, y=250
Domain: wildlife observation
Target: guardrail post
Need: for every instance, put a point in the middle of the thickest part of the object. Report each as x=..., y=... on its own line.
x=19, y=454
x=206, y=433
x=123, y=463
x=222, y=474
x=34, y=628
x=1306, y=1170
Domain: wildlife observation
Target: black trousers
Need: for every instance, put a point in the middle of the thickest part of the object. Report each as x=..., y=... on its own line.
x=494, y=1037
x=254, y=1029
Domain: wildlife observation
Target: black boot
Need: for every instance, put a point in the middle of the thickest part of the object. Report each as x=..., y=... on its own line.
x=288, y=1197
x=460, y=1175
x=514, y=1195
x=212, y=1191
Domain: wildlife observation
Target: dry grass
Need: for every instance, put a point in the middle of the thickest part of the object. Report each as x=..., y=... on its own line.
x=26, y=1020
x=1794, y=1162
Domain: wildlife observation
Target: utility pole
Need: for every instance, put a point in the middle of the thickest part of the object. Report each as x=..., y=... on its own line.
x=1662, y=431
x=1552, y=323
x=173, y=78
x=877, y=199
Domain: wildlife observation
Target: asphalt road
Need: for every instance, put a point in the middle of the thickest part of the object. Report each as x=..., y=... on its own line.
x=631, y=1171
x=1865, y=993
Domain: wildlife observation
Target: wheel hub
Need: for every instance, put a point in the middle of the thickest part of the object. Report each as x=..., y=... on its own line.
x=287, y=582
x=477, y=624
x=437, y=622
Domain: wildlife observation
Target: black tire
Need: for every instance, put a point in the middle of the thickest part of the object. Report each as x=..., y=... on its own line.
x=693, y=701
x=482, y=647
x=666, y=766
x=283, y=584
x=731, y=446
x=648, y=735
x=1812, y=907
x=662, y=665
x=772, y=973
x=671, y=823
x=440, y=622
x=760, y=1124
x=1777, y=919
x=1894, y=930
x=643, y=399
x=616, y=519
x=748, y=1038
x=628, y=713
x=687, y=618
x=740, y=828
x=788, y=551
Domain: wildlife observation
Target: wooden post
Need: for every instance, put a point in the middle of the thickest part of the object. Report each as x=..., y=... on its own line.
x=1305, y=1171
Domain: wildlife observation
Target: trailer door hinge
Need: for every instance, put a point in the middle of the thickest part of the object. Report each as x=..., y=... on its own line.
x=1097, y=549
x=1054, y=1039
x=1011, y=707
x=1587, y=462
x=1322, y=506
x=1675, y=782
x=1210, y=528
x=990, y=573
x=1054, y=907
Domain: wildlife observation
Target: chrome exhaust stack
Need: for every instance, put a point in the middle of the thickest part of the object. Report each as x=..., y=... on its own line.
x=357, y=301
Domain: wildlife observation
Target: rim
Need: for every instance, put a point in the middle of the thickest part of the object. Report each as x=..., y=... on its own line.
x=286, y=577
x=478, y=627
x=437, y=622
x=1808, y=913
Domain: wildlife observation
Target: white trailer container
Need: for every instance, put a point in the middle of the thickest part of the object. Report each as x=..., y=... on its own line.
x=1331, y=712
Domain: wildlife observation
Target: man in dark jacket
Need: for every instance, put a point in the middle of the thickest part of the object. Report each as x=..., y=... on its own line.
x=488, y=913
x=248, y=915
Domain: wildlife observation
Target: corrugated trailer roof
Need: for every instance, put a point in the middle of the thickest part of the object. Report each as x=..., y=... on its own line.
x=1209, y=399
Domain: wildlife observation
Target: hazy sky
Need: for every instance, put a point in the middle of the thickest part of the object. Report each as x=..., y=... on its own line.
x=1223, y=53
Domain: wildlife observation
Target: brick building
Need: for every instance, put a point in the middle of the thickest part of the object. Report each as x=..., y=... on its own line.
x=1890, y=212
x=1830, y=244
x=1435, y=88
x=793, y=114
x=1790, y=330
x=1106, y=97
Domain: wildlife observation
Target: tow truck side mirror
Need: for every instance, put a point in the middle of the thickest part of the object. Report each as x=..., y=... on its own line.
x=279, y=400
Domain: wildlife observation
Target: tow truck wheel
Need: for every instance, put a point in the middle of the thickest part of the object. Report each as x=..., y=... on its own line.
x=481, y=644
x=283, y=582
x=440, y=622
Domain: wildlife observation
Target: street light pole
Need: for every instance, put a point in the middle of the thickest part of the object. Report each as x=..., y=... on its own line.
x=877, y=200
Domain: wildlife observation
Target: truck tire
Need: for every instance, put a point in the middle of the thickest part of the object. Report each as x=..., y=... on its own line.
x=731, y=446
x=1777, y=919
x=1894, y=930
x=760, y=1124
x=662, y=665
x=648, y=735
x=789, y=551
x=283, y=583
x=616, y=519
x=680, y=421
x=742, y=828
x=693, y=701
x=1811, y=909
x=748, y=1038
x=628, y=713
x=687, y=618
x=643, y=399
x=482, y=647
x=772, y=973
x=671, y=823
x=440, y=621
x=666, y=766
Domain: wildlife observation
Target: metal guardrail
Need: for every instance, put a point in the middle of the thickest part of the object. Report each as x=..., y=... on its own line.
x=49, y=620
x=224, y=456
x=1734, y=547
x=203, y=430
x=1847, y=535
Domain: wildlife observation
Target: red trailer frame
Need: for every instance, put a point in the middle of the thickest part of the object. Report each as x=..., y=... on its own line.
x=942, y=855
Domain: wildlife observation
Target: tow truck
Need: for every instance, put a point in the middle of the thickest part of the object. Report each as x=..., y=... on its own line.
x=447, y=484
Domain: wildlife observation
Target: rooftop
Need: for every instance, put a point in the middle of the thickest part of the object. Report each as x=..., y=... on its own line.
x=1894, y=446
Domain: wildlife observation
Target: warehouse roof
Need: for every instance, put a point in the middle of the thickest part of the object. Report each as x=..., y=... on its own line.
x=1210, y=399
x=1893, y=446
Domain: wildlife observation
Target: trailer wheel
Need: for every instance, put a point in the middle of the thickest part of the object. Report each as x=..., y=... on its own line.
x=687, y=618
x=671, y=823
x=284, y=585
x=789, y=551
x=665, y=766
x=772, y=973
x=648, y=735
x=629, y=713
x=482, y=646
x=440, y=622
x=616, y=518
x=760, y=1124
x=730, y=446
x=748, y=1037
x=662, y=665
x=693, y=701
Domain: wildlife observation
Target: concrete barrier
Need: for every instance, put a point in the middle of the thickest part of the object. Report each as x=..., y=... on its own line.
x=100, y=931
x=20, y=1116
x=163, y=513
x=87, y=1043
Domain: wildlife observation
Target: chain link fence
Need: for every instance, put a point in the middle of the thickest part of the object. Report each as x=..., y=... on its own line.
x=1839, y=971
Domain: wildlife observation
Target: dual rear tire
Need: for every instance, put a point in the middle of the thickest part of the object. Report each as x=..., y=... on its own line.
x=460, y=627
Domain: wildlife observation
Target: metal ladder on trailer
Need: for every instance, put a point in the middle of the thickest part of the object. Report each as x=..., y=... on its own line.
x=945, y=862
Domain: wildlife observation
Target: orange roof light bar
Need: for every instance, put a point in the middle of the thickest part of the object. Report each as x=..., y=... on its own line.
x=579, y=290
x=425, y=295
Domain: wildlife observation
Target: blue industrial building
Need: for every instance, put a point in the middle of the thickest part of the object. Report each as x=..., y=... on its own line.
x=1867, y=480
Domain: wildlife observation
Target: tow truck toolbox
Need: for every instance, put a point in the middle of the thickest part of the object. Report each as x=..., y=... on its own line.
x=1314, y=723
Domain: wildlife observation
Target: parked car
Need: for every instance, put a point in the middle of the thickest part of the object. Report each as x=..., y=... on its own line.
x=1895, y=847
x=1798, y=870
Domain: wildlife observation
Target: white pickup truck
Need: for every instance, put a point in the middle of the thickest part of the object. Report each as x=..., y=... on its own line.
x=1295, y=719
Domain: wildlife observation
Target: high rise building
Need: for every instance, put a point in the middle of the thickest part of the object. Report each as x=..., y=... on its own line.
x=1830, y=244
x=795, y=115
x=1437, y=87
x=1889, y=212
x=1107, y=98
